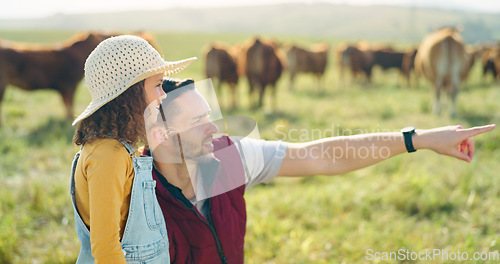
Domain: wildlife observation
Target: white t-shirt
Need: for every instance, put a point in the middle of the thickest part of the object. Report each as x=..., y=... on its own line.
x=261, y=159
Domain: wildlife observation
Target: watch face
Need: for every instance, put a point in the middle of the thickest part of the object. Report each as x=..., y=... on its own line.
x=407, y=129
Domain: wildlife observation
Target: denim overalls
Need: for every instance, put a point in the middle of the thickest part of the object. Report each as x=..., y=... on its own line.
x=145, y=237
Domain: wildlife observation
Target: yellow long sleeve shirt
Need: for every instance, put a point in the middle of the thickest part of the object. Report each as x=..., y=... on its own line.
x=103, y=184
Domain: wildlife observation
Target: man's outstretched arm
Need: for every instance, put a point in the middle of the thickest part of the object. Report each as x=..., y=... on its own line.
x=338, y=155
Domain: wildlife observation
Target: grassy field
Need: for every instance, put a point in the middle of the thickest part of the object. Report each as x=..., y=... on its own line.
x=413, y=202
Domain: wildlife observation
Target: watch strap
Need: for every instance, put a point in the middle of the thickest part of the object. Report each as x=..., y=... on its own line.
x=409, y=141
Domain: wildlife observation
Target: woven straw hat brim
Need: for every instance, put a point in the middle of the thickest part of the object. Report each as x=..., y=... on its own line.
x=168, y=69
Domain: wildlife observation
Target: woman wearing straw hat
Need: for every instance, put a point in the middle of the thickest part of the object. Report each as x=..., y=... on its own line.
x=117, y=216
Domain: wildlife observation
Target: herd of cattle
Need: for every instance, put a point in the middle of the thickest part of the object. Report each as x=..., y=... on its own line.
x=442, y=58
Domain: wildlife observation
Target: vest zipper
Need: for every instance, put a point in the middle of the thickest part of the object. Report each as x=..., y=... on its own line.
x=210, y=226
x=219, y=246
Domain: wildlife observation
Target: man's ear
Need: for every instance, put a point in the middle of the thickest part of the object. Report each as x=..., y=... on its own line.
x=159, y=134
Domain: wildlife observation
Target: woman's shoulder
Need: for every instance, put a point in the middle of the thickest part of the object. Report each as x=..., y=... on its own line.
x=106, y=160
x=104, y=147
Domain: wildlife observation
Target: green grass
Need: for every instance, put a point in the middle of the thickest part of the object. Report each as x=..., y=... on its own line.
x=416, y=202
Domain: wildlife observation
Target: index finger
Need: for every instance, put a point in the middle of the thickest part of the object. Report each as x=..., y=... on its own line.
x=473, y=131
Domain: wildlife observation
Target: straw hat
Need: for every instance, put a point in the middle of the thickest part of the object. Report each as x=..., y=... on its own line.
x=120, y=62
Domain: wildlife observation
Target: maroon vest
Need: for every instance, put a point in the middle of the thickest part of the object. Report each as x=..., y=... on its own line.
x=219, y=238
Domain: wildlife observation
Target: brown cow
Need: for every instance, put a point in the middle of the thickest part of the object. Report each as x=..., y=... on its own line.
x=239, y=54
x=60, y=67
x=342, y=62
x=390, y=59
x=408, y=66
x=496, y=62
x=220, y=65
x=443, y=60
x=488, y=62
x=263, y=67
x=357, y=58
x=312, y=60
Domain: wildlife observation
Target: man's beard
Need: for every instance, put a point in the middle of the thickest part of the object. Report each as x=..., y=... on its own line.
x=197, y=152
x=204, y=159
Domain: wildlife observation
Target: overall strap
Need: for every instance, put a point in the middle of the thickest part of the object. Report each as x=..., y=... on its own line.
x=73, y=169
x=130, y=149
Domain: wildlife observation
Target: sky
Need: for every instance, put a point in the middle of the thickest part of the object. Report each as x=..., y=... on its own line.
x=21, y=9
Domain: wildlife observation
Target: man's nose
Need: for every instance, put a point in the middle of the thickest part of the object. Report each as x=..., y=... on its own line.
x=211, y=128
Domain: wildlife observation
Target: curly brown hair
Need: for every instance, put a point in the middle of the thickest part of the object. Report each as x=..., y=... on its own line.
x=122, y=119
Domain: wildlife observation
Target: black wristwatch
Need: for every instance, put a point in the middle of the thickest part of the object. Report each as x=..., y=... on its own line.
x=407, y=134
